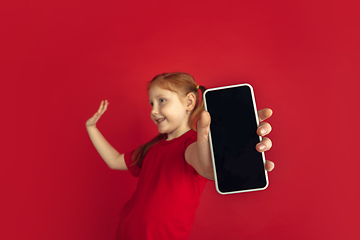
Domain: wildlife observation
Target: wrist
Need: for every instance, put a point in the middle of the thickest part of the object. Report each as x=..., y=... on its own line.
x=90, y=126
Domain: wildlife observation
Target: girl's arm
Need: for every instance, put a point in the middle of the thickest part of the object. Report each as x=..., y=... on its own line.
x=112, y=158
x=198, y=154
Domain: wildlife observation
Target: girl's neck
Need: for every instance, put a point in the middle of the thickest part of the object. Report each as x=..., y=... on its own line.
x=173, y=135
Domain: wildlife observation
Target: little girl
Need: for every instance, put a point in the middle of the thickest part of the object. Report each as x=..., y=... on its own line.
x=173, y=167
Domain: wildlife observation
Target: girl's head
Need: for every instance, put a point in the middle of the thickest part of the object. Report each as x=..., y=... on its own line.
x=175, y=96
x=176, y=103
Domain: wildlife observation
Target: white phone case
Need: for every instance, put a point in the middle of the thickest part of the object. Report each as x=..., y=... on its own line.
x=211, y=144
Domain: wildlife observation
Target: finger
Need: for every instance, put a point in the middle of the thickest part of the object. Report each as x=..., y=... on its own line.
x=203, y=128
x=264, y=114
x=101, y=107
x=264, y=129
x=106, y=105
x=264, y=145
x=269, y=165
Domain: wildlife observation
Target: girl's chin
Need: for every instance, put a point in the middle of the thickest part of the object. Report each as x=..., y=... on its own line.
x=162, y=131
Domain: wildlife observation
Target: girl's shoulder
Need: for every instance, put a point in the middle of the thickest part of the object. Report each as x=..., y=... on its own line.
x=182, y=142
x=190, y=138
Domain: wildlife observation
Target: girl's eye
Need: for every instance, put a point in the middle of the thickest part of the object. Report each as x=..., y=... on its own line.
x=161, y=100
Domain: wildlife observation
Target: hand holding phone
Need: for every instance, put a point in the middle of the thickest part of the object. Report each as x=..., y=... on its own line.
x=238, y=166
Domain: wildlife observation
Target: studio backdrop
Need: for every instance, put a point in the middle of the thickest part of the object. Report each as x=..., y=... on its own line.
x=60, y=59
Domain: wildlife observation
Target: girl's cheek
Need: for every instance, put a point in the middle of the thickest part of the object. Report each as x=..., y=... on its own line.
x=164, y=108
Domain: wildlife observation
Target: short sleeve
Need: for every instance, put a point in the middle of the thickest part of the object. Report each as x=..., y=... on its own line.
x=134, y=170
x=190, y=139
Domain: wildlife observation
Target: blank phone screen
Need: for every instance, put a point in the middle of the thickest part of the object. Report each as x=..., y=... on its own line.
x=239, y=166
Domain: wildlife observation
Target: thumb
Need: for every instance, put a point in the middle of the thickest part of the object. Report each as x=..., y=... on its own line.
x=203, y=128
x=204, y=121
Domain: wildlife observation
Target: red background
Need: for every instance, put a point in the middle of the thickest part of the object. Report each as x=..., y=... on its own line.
x=59, y=60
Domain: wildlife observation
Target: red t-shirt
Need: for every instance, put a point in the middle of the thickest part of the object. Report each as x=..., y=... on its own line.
x=167, y=194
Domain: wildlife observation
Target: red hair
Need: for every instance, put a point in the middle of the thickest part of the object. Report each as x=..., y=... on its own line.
x=183, y=84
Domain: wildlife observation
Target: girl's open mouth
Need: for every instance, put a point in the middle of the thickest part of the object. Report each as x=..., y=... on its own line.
x=160, y=120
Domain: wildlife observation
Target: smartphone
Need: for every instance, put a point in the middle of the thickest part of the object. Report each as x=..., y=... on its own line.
x=238, y=166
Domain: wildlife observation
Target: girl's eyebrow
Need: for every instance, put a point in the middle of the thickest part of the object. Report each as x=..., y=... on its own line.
x=160, y=95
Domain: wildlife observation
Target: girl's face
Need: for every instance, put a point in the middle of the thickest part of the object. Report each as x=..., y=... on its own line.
x=169, y=111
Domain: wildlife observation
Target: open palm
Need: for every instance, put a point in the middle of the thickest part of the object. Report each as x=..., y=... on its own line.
x=95, y=118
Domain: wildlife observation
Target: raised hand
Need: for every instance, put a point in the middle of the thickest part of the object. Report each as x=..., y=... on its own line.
x=93, y=120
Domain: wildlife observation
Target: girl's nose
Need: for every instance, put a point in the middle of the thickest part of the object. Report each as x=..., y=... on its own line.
x=154, y=111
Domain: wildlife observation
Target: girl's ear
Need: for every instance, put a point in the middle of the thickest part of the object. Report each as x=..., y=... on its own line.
x=190, y=101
